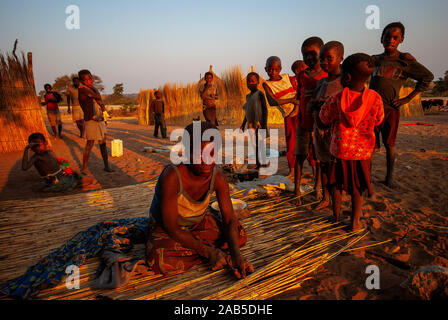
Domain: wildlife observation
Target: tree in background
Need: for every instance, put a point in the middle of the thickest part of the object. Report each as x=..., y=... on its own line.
x=441, y=86
x=118, y=90
x=62, y=83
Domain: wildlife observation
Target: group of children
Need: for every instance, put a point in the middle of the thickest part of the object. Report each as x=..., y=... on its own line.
x=335, y=119
x=331, y=118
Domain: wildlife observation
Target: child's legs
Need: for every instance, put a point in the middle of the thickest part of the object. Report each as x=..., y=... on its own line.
x=298, y=166
x=290, y=136
x=87, y=149
x=356, y=208
x=389, y=132
x=336, y=198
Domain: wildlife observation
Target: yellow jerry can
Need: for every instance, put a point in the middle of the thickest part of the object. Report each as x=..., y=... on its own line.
x=117, y=148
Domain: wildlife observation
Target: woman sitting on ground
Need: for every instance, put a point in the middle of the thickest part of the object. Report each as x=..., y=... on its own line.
x=181, y=231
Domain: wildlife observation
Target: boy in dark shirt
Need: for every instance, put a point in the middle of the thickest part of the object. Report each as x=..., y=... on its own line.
x=157, y=109
x=54, y=115
x=392, y=69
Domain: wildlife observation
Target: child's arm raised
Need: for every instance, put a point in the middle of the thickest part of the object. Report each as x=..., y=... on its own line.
x=28, y=163
x=241, y=265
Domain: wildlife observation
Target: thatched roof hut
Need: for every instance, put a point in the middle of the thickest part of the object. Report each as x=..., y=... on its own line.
x=20, y=112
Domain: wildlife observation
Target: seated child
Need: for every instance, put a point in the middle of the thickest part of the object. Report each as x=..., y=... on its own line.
x=181, y=231
x=56, y=173
x=281, y=94
x=306, y=84
x=254, y=109
x=331, y=55
x=353, y=114
x=392, y=69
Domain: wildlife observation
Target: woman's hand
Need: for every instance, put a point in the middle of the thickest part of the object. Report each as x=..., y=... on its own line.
x=241, y=267
x=218, y=259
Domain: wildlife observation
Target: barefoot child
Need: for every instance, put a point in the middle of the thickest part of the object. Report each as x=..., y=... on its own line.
x=306, y=84
x=353, y=114
x=254, y=109
x=181, y=231
x=281, y=94
x=157, y=109
x=331, y=56
x=57, y=178
x=95, y=128
x=73, y=102
x=52, y=99
x=392, y=69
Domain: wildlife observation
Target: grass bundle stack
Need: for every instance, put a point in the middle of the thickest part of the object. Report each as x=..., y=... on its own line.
x=285, y=245
x=20, y=112
x=414, y=107
x=183, y=102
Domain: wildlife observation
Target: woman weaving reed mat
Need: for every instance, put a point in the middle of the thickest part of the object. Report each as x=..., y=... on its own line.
x=181, y=231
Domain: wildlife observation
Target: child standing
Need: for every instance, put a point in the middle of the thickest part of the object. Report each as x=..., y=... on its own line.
x=331, y=56
x=392, y=69
x=209, y=95
x=254, y=109
x=281, y=94
x=52, y=99
x=157, y=108
x=73, y=102
x=353, y=114
x=306, y=84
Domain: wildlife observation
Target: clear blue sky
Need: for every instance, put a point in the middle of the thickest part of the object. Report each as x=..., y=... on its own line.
x=145, y=44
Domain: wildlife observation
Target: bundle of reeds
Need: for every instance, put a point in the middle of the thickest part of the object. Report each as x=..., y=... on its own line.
x=184, y=104
x=414, y=108
x=285, y=244
x=20, y=112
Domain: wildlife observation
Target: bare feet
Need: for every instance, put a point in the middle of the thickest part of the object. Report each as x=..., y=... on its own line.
x=108, y=169
x=322, y=205
x=86, y=172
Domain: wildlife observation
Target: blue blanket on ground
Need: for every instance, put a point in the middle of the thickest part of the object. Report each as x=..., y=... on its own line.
x=114, y=235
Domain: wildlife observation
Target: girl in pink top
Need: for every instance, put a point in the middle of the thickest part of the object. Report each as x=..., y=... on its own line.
x=353, y=115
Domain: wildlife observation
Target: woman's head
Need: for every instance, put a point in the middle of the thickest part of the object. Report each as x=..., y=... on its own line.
x=204, y=154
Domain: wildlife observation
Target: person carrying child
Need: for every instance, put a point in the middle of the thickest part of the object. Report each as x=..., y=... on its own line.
x=73, y=106
x=51, y=100
x=330, y=57
x=306, y=84
x=157, y=109
x=254, y=110
x=352, y=114
x=281, y=94
x=182, y=232
x=95, y=128
x=392, y=69
x=209, y=94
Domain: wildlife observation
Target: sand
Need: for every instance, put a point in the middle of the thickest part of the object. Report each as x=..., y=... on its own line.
x=413, y=216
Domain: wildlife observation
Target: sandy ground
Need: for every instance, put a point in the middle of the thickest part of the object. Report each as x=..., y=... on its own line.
x=414, y=215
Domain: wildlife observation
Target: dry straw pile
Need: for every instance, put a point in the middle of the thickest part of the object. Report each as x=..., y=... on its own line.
x=286, y=244
x=20, y=113
x=183, y=103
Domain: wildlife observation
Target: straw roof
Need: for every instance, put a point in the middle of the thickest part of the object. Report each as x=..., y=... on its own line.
x=20, y=112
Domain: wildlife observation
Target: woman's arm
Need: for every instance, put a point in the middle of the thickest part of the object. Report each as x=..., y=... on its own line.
x=230, y=223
